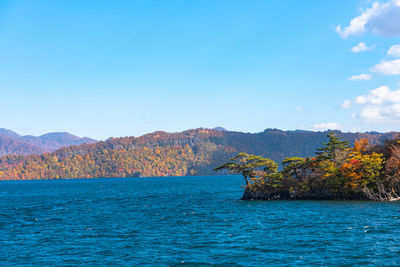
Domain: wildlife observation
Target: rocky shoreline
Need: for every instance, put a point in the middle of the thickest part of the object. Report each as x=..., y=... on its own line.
x=250, y=194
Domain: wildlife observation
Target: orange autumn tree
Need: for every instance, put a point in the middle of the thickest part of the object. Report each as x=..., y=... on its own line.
x=393, y=161
x=361, y=169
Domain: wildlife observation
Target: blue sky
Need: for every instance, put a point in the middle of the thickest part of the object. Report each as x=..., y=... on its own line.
x=121, y=68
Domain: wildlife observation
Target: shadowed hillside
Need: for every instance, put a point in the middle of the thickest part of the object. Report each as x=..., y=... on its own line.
x=13, y=143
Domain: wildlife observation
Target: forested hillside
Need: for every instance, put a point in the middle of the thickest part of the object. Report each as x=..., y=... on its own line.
x=192, y=152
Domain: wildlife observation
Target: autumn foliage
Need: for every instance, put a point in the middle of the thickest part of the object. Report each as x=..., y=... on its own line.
x=338, y=171
x=158, y=154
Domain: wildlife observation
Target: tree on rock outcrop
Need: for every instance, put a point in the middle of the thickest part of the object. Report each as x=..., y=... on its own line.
x=250, y=166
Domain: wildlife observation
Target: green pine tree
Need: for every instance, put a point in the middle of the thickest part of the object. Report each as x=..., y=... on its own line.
x=247, y=165
x=332, y=147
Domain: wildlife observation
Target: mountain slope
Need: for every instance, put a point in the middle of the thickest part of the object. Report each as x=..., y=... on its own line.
x=8, y=133
x=192, y=152
x=13, y=143
x=54, y=141
x=10, y=145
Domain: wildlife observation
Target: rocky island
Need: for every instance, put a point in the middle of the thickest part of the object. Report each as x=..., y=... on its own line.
x=338, y=171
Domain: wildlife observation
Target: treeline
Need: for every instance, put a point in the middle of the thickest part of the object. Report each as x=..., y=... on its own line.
x=192, y=152
x=337, y=171
x=141, y=161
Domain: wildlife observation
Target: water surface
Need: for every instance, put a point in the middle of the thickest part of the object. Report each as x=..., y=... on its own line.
x=186, y=221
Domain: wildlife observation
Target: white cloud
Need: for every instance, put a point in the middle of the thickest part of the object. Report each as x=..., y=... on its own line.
x=379, y=105
x=361, y=77
x=394, y=51
x=299, y=109
x=361, y=47
x=381, y=19
x=327, y=126
x=391, y=67
x=346, y=104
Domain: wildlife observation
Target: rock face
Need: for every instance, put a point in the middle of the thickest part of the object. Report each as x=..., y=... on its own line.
x=250, y=194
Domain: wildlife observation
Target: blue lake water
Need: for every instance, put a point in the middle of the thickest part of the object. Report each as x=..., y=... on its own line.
x=186, y=221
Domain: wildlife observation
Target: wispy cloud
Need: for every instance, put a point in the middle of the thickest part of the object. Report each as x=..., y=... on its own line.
x=361, y=47
x=394, y=51
x=346, y=104
x=381, y=19
x=361, y=77
x=327, y=126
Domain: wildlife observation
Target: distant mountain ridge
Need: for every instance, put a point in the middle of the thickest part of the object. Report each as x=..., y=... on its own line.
x=13, y=143
x=192, y=152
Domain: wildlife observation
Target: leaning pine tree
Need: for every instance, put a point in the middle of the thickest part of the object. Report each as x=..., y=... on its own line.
x=249, y=166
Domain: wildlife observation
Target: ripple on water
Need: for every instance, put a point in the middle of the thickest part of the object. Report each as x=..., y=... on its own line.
x=187, y=221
